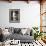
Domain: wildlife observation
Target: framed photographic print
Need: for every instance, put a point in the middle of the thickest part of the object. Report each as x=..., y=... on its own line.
x=14, y=15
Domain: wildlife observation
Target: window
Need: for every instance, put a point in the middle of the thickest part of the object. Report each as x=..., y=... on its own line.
x=43, y=17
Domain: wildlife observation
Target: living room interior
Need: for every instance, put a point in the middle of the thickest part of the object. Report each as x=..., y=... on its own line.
x=23, y=21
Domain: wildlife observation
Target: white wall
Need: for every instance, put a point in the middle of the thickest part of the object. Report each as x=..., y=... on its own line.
x=29, y=14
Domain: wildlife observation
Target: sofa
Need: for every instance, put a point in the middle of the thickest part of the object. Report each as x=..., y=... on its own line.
x=22, y=34
x=18, y=35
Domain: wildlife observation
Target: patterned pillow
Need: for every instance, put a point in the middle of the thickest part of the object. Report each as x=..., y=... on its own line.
x=23, y=31
x=17, y=30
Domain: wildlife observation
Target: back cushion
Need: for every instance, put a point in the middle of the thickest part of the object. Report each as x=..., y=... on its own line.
x=11, y=29
x=23, y=31
x=17, y=30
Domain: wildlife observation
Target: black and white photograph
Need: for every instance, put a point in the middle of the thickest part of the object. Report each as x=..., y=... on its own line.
x=14, y=15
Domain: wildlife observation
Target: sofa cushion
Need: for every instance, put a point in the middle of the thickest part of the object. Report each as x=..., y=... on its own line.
x=23, y=31
x=22, y=38
x=17, y=30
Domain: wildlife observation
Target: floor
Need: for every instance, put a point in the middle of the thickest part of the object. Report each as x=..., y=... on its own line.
x=35, y=43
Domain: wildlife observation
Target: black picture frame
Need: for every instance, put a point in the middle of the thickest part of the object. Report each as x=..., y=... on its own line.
x=14, y=15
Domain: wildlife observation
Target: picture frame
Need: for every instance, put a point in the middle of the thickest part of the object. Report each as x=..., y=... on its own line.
x=14, y=15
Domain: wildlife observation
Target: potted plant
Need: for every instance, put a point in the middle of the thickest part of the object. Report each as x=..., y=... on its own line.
x=37, y=33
